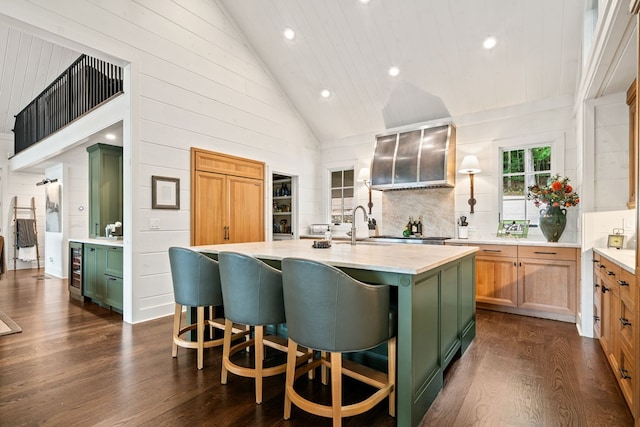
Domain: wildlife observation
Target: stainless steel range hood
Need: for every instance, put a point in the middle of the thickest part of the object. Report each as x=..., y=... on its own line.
x=418, y=158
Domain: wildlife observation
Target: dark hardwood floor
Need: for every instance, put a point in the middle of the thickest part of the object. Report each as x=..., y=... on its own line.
x=79, y=364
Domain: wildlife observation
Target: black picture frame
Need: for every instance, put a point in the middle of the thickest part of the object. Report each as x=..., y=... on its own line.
x=165, y=192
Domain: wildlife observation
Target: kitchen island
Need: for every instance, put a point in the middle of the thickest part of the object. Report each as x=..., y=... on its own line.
x=436, y=303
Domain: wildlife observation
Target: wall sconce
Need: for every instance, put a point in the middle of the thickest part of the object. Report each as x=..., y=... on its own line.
x=46, y=181
x=363, y=176
x=471, y=166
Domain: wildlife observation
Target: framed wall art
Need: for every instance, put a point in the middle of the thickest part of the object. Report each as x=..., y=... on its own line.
x=165, y=192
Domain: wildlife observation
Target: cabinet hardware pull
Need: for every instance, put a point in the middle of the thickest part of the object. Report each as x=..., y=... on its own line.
x=602, y=266
x=492, y=250
x=604, y=289
x=545, y=253
x=625, y=322
x=596, y=286
x=514, y=264
x=519, y=264
x=624, y=374
x=596, y=318
x=610, y=273
x=622, y=283
x=594, y=261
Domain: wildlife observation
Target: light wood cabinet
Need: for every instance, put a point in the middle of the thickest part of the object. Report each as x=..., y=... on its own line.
x=618, y=323
x=227, y=199
x=633, y=143
x=497, y=275
x=536, y=281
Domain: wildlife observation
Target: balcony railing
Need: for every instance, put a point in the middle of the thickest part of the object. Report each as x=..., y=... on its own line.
x=86, y=84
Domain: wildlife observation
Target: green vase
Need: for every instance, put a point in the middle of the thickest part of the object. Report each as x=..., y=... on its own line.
x=553, y=220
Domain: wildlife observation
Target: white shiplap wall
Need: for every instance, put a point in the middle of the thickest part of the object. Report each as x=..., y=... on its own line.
x=21, y=184
x=194, y=82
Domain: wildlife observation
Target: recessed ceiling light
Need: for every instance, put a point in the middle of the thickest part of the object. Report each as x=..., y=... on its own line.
x=364, y=1
x=325, y=93
x=289, y=34
x=394, y=71
x=489, y=42
x=110, y=136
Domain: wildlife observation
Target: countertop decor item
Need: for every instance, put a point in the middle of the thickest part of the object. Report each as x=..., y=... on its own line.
x=556, y=195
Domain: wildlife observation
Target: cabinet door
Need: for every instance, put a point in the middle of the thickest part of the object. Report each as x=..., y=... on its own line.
x=246, y=210
x=610, y=306
x=89, y=269
x=105, y=187
x=496, y=281
x=547, y=285
x=209, y=218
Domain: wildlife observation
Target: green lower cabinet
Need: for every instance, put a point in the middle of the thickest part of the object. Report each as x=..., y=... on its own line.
x=113, y=292
x=103, y=275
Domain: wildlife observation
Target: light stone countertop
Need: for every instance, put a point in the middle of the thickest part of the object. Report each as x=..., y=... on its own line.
x=514, y=241
x=101, y=241
x=389, y=257
x=625, y=258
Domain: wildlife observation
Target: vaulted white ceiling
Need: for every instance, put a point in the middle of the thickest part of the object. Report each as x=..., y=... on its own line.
x=27, y=66
x=347, y=47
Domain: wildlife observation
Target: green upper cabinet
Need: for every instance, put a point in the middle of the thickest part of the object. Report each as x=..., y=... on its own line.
x=105, y=187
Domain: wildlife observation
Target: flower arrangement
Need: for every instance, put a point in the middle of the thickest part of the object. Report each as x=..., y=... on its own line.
x=556, y=193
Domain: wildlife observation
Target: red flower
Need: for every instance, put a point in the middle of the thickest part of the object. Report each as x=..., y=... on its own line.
x=556, y=204
x=568, y=189
x=556, y=186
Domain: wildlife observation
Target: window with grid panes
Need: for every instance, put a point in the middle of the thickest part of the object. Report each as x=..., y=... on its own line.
x=522, y=168
x=342, y=190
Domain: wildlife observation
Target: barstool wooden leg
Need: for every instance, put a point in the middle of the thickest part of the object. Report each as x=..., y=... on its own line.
x=259, y=360
x=391, y=374
x=226, y=348
x=324, y=376
x=336, y=388
x=200, y=334
x=176, y=329
x=290, y=376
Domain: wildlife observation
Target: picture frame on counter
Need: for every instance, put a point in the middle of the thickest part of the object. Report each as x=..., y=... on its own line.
x=513, y=228
x=165, y=192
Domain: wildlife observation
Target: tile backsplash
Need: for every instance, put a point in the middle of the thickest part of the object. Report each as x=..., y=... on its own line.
x=436, y=205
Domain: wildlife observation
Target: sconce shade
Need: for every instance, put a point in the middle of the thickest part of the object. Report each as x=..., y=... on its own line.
x=470, y=164
x=363, y=176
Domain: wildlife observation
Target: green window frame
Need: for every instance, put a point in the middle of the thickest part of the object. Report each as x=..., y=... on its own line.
x=521, y=168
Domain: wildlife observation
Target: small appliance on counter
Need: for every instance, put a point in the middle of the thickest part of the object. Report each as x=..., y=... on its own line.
x=319, y=229
x=113, y=231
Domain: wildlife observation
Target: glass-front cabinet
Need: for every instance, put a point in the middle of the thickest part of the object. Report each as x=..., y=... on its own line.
x=284, y=205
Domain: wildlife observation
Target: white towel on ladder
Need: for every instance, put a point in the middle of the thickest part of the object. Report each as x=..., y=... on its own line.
x=27, y=254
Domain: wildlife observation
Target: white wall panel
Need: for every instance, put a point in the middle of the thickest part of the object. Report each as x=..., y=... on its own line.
x=194, y=82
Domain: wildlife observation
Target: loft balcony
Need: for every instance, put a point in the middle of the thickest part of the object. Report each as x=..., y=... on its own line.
x=85, y=85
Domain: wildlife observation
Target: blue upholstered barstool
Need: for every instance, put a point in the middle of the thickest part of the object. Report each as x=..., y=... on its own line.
x=252, y=295
x=196, y=283
x=328, y=310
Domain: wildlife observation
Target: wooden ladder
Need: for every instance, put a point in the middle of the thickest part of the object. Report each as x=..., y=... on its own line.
x=32, y=210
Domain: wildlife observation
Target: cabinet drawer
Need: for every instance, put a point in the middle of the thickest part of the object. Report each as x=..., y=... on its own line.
x=497, y=251
x=627, y=324
x=113, y=261
x=546, y=252
x=610, y=273
x=628, y=288
x=626, y=375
